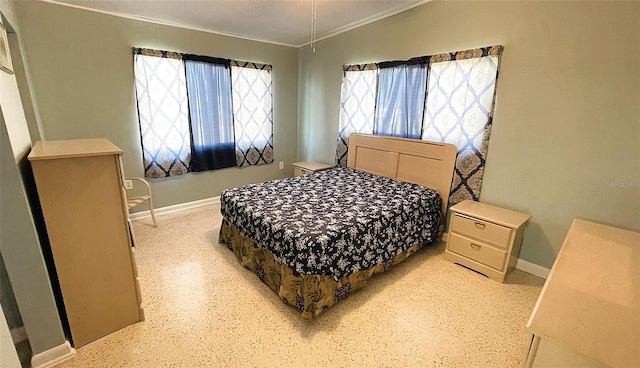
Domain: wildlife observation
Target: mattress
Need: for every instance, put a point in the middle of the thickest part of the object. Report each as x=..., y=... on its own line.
x=335, y=222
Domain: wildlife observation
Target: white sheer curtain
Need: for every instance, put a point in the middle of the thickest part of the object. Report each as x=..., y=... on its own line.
x=357, y=106
x=252, y=113
x=163, y=115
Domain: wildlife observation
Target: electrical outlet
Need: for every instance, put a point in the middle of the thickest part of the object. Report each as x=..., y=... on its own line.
x=281, y=165
x=128, y=184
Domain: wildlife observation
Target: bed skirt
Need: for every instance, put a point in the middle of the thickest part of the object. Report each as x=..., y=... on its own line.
x=311, y=294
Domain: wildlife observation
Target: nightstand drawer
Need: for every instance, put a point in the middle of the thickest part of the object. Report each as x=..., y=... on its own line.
x=299, y=172
x=477, y=251
x=309, y=167
x=487, y=231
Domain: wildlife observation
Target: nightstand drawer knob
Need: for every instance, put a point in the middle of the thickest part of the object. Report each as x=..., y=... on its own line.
x=475, y=246
x=480, y=225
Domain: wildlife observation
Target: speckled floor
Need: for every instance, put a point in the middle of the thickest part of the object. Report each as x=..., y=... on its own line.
x=203, y=309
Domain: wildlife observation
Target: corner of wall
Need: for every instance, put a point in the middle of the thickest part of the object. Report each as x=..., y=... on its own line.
x=21, y=247
x=53, y=356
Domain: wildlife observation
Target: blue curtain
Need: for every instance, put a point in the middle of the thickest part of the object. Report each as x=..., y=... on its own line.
x=400, y=103
x=211, y=114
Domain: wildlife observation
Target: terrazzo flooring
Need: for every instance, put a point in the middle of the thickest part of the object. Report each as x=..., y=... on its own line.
x=203, y=309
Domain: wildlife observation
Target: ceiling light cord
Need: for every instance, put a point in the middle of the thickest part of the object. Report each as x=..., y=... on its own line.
x=314, y=15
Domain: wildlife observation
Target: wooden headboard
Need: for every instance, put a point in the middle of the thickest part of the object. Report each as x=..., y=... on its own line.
x=411, y=160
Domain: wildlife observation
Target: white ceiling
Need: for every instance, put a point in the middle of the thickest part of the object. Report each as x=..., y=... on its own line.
x=286, y=22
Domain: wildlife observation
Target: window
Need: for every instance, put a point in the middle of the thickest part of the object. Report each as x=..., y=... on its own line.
x=201, y=113
x=445, y=98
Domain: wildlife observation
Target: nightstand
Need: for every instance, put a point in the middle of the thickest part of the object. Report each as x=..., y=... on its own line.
x=308, y=167
x=485, y=238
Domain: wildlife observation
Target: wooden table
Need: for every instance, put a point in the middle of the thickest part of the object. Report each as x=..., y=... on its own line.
x=589, y=306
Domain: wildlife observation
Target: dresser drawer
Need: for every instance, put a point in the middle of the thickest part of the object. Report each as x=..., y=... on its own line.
x=477, y=251
x=482, y=230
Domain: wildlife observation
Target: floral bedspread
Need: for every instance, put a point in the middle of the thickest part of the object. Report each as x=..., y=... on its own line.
x=335, y=222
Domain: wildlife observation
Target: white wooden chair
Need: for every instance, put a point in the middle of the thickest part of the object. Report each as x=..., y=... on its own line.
x=136, y=200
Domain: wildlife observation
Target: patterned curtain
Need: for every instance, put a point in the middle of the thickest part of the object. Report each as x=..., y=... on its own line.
x=458, y=107
x=163, y=112
x=459, y=110
x=357, y=105
x=252, y=112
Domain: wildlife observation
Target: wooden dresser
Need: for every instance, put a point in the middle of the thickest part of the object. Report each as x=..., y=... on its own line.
x=588, y=313
x=80, y=186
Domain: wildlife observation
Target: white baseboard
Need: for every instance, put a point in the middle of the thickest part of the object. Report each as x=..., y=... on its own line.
x=532, y=268
x=19, y=334
x=137, y=216
x=521, y=264
x=444, y=237
x=53, y=356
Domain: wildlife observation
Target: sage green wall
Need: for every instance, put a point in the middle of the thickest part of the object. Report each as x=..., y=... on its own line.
x=82, y=70
x=566, y=134
x=21, y=252
x=19, y=241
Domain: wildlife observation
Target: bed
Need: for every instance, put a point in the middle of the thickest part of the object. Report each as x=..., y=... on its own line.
x=315, y=239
